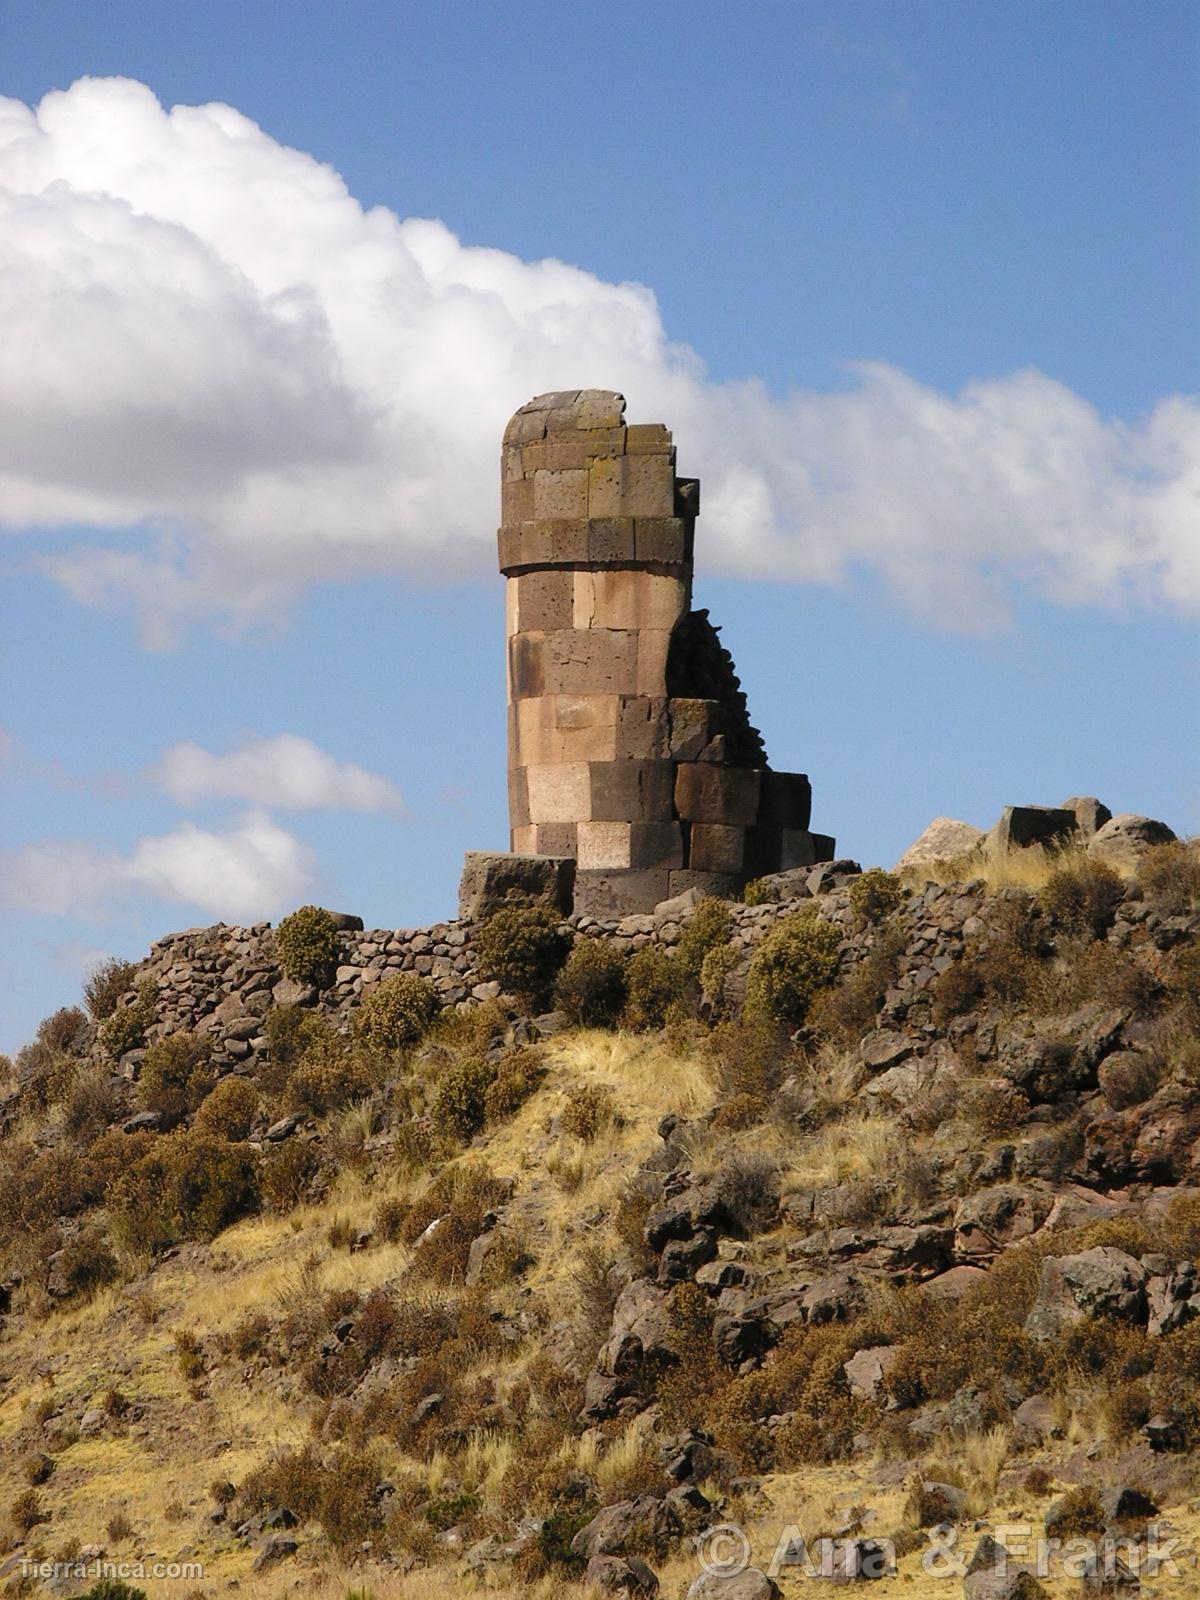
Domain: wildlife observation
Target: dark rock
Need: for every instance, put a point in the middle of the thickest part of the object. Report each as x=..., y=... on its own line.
x=1123, y=1503
x=1022, y=826
x=681, y=1257
x=1090, y=814
x=143, y=1122
x=739, y=1337
x=621, y=1575
x=1102, y=1282
x=489, y=879
x=647, y=1521
x=284, y=1128
x=277, y=1548
x=749, y=1585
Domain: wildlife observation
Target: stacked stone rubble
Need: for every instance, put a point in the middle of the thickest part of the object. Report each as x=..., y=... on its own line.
x=630, y=749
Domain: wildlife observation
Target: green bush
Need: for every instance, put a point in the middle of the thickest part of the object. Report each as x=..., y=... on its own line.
x=710, y=925
x=875, y=894
x=288, y=1172
x=460, y=1105
x=86, y=1264
x=125, y=1029
x=657, y=984
x=110, y=980
x=522, y=949
x=757, y=893
x=517, y=1077
x=397, y=1012
x=332, y=1073
x=308, y=944
x=186, y=1186
x=720, y=961
x=60, y=1031
x=588, y=1111
x=790, y=967
x=113, y=1589
x=176, y=1075
x=229, y=1111
x=591, y=988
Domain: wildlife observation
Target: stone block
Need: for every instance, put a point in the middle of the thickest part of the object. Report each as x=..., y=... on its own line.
x=799, y=848
x=824, y=847
x=1090, y=814
x=508, y=547
x=512, y=468
x=586, y=710
x=610, y=539
x=648, y=439
x=559, y=456
x=518, y=797
x=1022, y=826
x=526, y=665
x=660, y=539
x=609, y=896
x=654, y=644
x=489, y=878
x=630, y=791
x=603, y=846
x=705, y=792
x=590, y=661
x=560, y=792
x=641, y=729
x=557, y=838
x=525, y=426
x=545, y=600
x=692, y=725
x=604, y=487
x=516, y=501
x=625, y=598
x=716, y=847
x=560, y=495
x=524, y=840
x=599, y=408
x=647, y=486
x=784, y=800
x=726, y=885
x=687, y=500
x=655, y=844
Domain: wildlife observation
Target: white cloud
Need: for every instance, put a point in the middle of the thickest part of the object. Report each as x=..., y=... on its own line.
x=286, y=771
x=251, y=871
x=213, y=351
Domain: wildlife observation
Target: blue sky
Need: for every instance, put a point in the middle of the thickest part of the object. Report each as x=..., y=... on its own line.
x=248, y=425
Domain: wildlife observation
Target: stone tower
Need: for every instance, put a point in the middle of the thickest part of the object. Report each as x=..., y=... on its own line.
x=630, y=748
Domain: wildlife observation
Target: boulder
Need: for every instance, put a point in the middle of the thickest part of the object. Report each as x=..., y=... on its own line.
x=1125, y=838
x=489, y=879
x=1022, y=826
x=867, y=1368
x=1172, y=1299
x=646, y=1521
x=882, y=1048
x=992, y=1574
x=749, y=1585
x=678, y=906
x=790, y=885
x=987, y=1222
x=277, y=1548
x=943, y=840
x=1101, y=1282
x=621, y=1575
x=1090, y=814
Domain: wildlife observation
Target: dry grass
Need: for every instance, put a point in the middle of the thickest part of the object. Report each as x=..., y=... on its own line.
x=1029, y=869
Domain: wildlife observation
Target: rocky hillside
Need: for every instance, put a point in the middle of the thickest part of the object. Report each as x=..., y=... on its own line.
x=525, y=1252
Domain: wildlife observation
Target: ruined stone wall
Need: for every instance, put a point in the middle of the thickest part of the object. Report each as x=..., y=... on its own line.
x=630, y=746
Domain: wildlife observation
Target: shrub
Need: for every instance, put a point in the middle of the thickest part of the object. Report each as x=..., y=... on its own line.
x=591, y=987
x=460, y=1200
x=740, y=1111
x=718, y=963
x=229, y=1111
x=91, y=1104
x=789, y=968
x=848, y=1010
x=27, y=1511
x=522, y=949
x=108, y=982
x=307, y=942
x=875, y=894
x=748, y=1055
x=757, y=893
x=657, y=985
x=1078, y=1513
x=1082, y=896
x=588, y=1111
x=1169, y=877
x=517, y=1077
x=710, y=925
x=86, y=1264
x=332, y=1073
x=176, y=1075
x=1183, y=982
x=125, y=1029
x=186, y=1186
x=288, y=1172
x=460, y=1106
x=397, y=1012
x=189, y=1354
x=113, y=1588
x=290, y=1031
x=61, y=1031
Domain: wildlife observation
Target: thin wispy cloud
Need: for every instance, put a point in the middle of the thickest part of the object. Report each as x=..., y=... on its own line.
x=286, y=772
x=213, y=351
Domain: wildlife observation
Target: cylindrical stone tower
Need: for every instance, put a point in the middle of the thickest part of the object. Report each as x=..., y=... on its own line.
x=629, y=747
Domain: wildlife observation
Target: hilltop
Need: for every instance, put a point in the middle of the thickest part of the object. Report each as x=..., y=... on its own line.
x=413, y=1260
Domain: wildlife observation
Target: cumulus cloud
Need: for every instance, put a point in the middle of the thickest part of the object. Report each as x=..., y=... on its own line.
x=252, y=870
x=215, y=353
x=287, y=771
